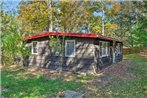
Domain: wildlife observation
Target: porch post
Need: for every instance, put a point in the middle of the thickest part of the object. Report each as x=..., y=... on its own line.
x=113, y=50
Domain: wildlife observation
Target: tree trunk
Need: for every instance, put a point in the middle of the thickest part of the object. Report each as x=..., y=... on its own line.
x=61, y=57
x=50, y=26
x=103, y=12
x=130, y=24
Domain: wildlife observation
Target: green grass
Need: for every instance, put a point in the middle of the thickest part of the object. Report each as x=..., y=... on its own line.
x=130, y=88
x=136, y=58
x=19, y=86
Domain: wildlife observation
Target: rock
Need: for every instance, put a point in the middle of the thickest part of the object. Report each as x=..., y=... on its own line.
x=72, y=94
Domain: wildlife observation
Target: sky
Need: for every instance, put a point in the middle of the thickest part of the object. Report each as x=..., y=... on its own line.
x=9, y=4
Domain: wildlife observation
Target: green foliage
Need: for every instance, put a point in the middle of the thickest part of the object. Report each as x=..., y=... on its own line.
x=11, y=38
x=139, y=33
x=67, y=16
x=55, y=44
x=25, y=51
x=130, y=19
x=34, y=16
x=75, y=16
x=96, y=29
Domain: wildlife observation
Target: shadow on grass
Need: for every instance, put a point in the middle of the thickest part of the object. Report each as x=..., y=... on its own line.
x=16, y=86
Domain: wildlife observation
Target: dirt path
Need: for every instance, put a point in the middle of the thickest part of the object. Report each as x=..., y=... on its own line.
x=118, y=70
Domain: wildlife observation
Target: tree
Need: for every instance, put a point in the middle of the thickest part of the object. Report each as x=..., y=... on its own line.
x=74, y=15
x=129, y=15
x=66, y=16
x=56, y=48
x=11, y=37
x=102, y=23
x=115, y=19
x=36, y=16
x=139, y=30
x=139, y=34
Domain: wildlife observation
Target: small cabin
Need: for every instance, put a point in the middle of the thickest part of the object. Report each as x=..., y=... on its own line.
x=80, y=52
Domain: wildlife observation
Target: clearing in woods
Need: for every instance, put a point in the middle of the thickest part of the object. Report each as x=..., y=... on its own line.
x=127, y=78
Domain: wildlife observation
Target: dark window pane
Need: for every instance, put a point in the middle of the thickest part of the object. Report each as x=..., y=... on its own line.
x=70, y=52
x=34, y=50
x=70, y=48
x=70, y=45
x=34, y=47
x=34, y=44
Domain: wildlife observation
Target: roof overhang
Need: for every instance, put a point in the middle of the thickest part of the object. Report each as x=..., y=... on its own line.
x=82, y=35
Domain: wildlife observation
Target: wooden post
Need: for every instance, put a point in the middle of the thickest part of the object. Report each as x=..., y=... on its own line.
x=113, y=51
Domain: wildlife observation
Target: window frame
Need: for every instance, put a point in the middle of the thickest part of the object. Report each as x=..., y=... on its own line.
x=66, y=41
x=32, y=48
x=107, y=48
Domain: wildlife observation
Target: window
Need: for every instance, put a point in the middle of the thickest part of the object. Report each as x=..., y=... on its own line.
x=34, y=47
x=104, y=48
x=70, y=48
x=119, y=48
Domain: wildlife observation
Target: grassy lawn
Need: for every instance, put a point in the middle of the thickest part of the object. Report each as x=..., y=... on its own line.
x=130, y=88
x=16, y=84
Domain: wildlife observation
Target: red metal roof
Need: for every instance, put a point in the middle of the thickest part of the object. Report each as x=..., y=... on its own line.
x=84, y=35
